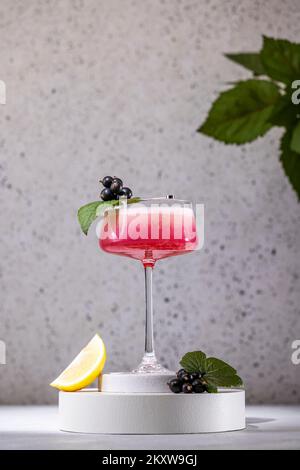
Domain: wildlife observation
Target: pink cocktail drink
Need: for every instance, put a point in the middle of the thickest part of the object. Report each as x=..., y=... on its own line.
x=149, y=233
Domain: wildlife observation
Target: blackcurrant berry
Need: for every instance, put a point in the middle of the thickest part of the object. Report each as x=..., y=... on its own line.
x=194, y=376
x=175, y=386
x=180, y=373
x=106, y=181
x=187, y=388
x=125, y=192
x=185, y=378
x=107, y=194
x=197, y=386
x=116, y=185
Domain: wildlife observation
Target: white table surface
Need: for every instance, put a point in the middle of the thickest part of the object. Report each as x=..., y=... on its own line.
x=35, y=427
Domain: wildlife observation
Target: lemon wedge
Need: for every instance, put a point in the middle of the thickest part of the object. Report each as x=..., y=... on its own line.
x=84, y=369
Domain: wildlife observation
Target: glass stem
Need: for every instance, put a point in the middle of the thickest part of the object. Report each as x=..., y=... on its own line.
x=149, y=347
x=149, y=364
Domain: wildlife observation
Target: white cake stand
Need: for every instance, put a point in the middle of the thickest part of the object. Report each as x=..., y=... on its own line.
x=149, y=412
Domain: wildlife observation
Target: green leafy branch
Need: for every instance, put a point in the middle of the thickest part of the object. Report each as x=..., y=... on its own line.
x=252, y=107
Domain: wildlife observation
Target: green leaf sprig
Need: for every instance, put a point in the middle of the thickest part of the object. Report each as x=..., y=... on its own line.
x=214, y=372
x=252, y=107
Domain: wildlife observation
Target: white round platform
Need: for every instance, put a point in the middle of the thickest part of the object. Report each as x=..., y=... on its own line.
x=90, y=411
x=126, y=382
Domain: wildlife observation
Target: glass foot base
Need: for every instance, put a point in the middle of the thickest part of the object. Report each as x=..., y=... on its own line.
x=150, y=365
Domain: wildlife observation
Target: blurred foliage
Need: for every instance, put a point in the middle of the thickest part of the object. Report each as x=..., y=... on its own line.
x=271, y=98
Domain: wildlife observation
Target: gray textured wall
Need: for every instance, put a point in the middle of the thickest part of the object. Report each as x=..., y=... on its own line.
x=96, y=87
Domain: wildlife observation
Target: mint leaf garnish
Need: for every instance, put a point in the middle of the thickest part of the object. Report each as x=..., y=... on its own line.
x=215, y=373
x=89, y=212
x=211, y=388
x=194, y=362
x=221, y=374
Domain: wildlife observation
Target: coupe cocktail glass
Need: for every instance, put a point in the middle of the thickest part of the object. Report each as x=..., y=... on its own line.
x=149, y=231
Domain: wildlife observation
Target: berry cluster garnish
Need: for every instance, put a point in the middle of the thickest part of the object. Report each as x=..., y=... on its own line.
x=114, y=189
x=112, y=192
x=200, y=374
x=187, y=383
